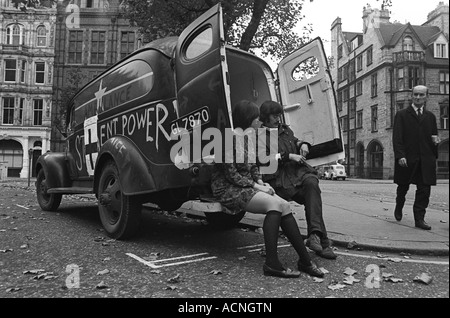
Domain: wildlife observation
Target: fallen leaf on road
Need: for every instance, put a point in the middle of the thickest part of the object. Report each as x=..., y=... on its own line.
x=103, y=272
x=393, y=279
x=34, y=271
x=46, y=276
x=13, y=289
x=242, y=258
x=101, y=285
x=6, y=250
x=175, y=279
x=352, y=244
x=442, y=221
x=155, y=271
x=106, y=259
x=171, y=287
x=381, y=256
x=349, y=280
x=24, y=246
x=386, y=275
x=423, y=278
x=317, y=279
x=323, y=270
x=395, y=259
x=336, y=286
x=215, y=272
x=349, y=271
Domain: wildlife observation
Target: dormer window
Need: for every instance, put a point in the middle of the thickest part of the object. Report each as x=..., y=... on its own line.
x=41, y=36
x=408, y=44
x=440, y=50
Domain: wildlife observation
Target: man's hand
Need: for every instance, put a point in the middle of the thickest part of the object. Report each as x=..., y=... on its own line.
x=402, y=162
x=304, y=150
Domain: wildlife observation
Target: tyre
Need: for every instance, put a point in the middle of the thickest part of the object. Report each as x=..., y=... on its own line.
x=120, y=214
x=223, y=220
x=47, y=201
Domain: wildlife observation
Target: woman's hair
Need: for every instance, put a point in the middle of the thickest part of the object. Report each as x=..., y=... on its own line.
x=269, y=108
x=244, y=113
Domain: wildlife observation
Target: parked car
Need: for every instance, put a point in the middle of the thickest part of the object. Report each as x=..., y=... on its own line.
x=336, y=172
x=119, y=125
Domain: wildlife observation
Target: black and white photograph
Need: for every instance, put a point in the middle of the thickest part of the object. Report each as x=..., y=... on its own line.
x=224, y=156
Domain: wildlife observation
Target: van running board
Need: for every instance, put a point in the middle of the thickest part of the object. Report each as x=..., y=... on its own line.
x=71, y=190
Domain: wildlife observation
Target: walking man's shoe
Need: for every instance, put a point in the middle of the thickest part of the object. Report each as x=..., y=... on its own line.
x=423, y=225
x=398, y=213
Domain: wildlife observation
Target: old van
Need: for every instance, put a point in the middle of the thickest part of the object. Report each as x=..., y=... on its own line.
x=119, y=125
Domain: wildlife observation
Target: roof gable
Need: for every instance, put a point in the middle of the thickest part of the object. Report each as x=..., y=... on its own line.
x=391, y=34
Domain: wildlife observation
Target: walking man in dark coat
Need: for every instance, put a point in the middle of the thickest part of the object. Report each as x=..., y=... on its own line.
x=415, y=143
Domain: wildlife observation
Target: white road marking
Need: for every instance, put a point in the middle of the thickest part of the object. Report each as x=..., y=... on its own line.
x=152, y=263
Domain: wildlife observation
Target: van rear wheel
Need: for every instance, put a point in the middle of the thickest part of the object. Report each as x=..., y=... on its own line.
x=120, y=214
x=47, y=201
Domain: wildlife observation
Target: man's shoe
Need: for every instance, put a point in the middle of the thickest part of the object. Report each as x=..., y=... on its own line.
x=423, y=225
x=312, y=269
x=285, y=273
x=327, y=253
x=398, y=213
x=313, y=243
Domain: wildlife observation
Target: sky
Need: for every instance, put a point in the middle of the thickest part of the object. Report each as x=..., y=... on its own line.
x=321, y=13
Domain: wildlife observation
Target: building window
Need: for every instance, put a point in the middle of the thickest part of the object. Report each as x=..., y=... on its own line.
x=345, y=72
x=339, y=100
x=339, y=51
x=358, y=88
x=39, y=72
x=344, y=123
x=440, y=50
x=346, y=95
x=369, y=56
x=10, y=70
x=8, y=110
x=352, y=139
x=23, y=68
x=443, y=114
x=400, y=79
x=444, y=82
x=20, y=117
x=359, y=119
x=38, y=108
x=75, y=47
x=359, y=61
x=374, y=85
x=413, y=76
x=41, y=36
x=98, y=47
x=15, y=34
x=352, y=108
x=127, y=40
x=408, y=44
x=374, y=118
x=351, y=71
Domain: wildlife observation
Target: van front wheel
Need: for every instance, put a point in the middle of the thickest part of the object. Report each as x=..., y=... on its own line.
x=120, y=214
x=47, y=201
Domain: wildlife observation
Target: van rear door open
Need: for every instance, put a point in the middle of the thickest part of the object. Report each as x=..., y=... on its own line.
x=309, y=102
x=201, y=73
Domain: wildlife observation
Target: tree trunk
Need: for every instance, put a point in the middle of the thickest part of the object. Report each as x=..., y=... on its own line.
x=259, y=6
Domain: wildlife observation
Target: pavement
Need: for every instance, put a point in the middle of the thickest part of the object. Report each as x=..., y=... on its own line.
x=362, y=223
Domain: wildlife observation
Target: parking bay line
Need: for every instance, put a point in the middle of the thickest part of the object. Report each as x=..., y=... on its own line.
x=152, y=265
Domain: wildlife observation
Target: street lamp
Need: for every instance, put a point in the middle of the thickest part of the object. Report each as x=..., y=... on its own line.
x=30, y=156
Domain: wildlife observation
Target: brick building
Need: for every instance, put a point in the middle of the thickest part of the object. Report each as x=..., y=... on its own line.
x=91, y=36
x=27, y=41
x=374, y=73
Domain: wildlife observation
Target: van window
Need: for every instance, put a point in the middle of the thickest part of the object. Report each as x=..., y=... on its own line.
x=127, y=83
x=200, y=44
x=306, y=69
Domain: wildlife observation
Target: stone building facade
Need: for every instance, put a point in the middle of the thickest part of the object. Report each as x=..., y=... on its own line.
x=27, y=43
x=47, y=53
x=374, y=72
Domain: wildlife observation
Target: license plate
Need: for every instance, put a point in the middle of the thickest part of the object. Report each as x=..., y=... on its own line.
x=190, y=121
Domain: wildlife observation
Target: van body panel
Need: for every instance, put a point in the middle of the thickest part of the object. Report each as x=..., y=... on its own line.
x=309, y=102
x=55, y=167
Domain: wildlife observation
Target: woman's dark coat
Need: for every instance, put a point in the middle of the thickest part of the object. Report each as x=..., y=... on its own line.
x=412, y=140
